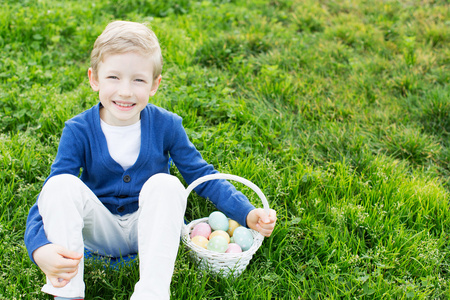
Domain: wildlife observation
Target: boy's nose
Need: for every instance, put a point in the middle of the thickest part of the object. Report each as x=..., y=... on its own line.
x=125, y=91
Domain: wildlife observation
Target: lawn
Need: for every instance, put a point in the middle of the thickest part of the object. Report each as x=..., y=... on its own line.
x=338, y=110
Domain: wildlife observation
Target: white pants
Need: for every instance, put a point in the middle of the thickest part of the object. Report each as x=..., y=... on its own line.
x=75, y=218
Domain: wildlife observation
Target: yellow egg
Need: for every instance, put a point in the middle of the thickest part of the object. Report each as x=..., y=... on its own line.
x=232, y=226
x=220, y=233
x=200, y=240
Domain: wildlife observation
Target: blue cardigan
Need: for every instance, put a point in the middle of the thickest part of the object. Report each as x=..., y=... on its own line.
x=83, y=147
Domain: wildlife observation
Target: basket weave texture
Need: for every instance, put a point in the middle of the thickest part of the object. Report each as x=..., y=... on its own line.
x=225, y=264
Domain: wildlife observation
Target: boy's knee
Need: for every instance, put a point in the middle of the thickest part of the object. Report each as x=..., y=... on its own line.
x=163, y=181
x=163, y=184
x=63, y=186
x=61, y=180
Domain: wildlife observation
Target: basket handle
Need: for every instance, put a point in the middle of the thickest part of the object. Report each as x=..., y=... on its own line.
x=244, y=181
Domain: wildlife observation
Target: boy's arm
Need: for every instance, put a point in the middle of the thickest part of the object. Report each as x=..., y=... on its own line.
x=59, y=264
x=192, y=166
x=67, y=161
x=258, y=220
x=34, y=232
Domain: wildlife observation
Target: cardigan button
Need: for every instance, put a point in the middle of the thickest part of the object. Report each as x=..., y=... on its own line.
x=127, y=178
x=120, y=209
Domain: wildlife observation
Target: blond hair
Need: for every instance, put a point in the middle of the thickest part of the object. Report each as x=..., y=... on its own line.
x=121, y=37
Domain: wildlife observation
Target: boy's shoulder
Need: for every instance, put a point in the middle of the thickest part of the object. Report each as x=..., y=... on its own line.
x=153, y=109
x=157, y=112
x=85, y=116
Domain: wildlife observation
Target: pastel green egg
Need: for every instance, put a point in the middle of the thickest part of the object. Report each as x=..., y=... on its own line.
x=218, y=244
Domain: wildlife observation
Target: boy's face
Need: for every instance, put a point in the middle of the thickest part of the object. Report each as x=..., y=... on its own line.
x=125, y=84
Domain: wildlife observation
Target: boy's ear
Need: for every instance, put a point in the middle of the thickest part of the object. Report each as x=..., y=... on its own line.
x=155, y=86
x=92, y=80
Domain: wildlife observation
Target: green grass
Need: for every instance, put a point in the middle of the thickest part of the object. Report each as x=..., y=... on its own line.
x=338, y=110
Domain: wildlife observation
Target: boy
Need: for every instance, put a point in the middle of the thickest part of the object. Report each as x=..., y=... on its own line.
x=124, y=200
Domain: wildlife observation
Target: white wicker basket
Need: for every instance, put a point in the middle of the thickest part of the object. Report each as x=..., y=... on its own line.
x=225, y=264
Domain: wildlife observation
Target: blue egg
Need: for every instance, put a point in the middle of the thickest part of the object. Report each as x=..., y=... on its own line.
x=243, y=237
x=218, y=221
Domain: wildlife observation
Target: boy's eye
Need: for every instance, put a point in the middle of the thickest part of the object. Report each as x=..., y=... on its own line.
x=113, y=77
x=140, y=80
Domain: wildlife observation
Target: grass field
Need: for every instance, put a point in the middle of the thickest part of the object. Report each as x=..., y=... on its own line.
x=338, y=110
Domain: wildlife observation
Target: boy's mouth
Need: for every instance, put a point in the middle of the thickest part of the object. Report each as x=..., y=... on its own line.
x=125, y=105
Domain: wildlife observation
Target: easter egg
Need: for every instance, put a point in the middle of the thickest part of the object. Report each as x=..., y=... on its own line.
x=221, y=233
x=218, y=221
x=232, y=225
x=202, y=229
x=243, y=237
x=200, y=240
x=218, y=244
x=233, y=248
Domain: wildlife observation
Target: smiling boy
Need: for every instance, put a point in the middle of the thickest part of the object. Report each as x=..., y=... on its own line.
x=124, y=91
x=125, y=201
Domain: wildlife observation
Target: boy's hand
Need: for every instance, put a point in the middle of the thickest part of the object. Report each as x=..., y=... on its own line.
x=258, y=220
x=58, y=263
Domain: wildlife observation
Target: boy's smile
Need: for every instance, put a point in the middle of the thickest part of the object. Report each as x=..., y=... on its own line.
x=125, y=84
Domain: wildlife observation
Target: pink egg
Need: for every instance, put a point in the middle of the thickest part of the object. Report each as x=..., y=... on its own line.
x=202, y=229
x=233, y=248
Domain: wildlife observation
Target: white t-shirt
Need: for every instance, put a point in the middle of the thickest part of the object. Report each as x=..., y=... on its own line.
x=124, y=142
